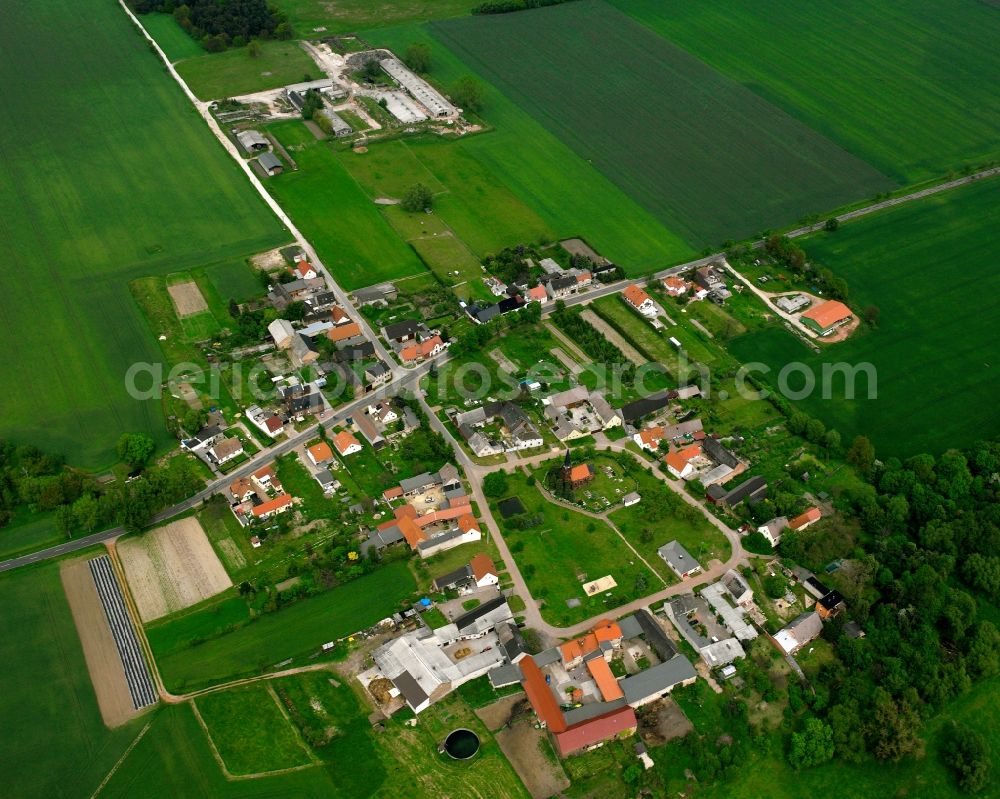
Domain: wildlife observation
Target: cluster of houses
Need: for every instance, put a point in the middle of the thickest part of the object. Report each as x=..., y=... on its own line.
x=349, y=355
x=823, y=318
x=773, y=529
x=412, y=341
x=212, y=445
x=497, y=427
x=258, y=498
x=708, y=282
x=431, y=513
x=579, y=412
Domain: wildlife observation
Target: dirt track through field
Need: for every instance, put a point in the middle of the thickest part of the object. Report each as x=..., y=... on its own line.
x=522, y=744
x=187, y=298
x=171, y=568
x=103, y=661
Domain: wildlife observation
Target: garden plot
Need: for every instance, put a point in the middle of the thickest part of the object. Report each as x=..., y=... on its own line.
x=187, y=299
x=172, y=568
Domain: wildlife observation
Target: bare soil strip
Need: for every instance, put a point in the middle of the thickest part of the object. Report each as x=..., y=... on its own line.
x=187, y=299
x=614, y=337
x=103, y=661
x=171, y=568
x=522, y=744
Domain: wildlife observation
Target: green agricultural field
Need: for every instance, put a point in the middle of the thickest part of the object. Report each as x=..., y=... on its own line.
x=711, y=159
x=217, y=75
x=928, y=267
x=907, y=85
x=232, y=280
x=289, y=633
x=250, y=731
x=46, y=694
x=355, y=242
x=172, y=38
x=346, y=16
x=566, y=550
x=81, y=216
x=537, y=168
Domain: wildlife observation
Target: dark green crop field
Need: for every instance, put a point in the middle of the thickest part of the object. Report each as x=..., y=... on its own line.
x=107, y=175
x=911, y=86
x=707, y=156
x=930, y=267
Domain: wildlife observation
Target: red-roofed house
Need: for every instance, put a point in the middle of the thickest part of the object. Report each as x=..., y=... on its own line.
x=484, y=571
x=241, y=489
x=304, y=270
x=575, y=650
x=338, y=315
x=607, y=630
x=346, y=443
x=640, y=300
x=649, y=439
x=584, y=278
x=543, y=701
x=538, y=293
x=425, y=349
x=679, y=462
x=320, y=453
x=343, y=332
x=826, y=317
x=606, y=682
x=272, y=507
x=392, y=493
x=811, y=516
x=674, y=285
x=580, y=474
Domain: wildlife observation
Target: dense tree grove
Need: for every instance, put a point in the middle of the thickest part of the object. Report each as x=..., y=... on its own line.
x=507, y=6
x=929, y=531
x=33, y=481
x=219, y=24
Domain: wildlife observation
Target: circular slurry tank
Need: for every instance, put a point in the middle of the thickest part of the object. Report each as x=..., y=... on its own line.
x=461, y=744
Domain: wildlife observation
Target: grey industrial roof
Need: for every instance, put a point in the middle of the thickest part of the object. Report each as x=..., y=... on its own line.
x=630, y=627
x=507, y=674
x=268, y=160
x=657, y=679
x=655, y=636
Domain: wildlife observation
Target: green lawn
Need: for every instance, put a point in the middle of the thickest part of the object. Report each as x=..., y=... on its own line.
x=214, y=76
x=566, y=550
x=537, y=168
x=907, y=85
x=83, y=215
x=250, y=731
x=235, y=280
x=353, y=15
x=28, y=531
x=289, y=633
x=172, y=38
x=928, y=266
x=351, y=236
x=709, y=158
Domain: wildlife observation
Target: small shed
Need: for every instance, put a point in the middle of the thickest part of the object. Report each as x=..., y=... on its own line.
x=338, y=125
x=252, y=141
x=270, y=163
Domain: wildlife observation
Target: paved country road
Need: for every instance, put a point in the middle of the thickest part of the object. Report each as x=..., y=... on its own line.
x=263, y=457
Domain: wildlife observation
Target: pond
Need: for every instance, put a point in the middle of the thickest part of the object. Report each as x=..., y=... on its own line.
x=461, y=744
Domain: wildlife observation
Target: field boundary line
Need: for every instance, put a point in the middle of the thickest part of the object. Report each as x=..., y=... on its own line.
x=125, y=754
x=269, y=687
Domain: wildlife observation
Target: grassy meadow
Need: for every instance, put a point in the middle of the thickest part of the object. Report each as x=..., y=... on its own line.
x=172, y=38
x=928, y=267
x=213, y=76
x=709, y=158
x=250, y=731
x=907, y=85
x=187, y=662
x=355, y=242
x=569, y=195
x=346, y=16
x=82, y=215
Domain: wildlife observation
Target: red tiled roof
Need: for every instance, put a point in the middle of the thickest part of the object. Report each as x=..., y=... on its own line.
x=583, y=277
x=807, y=518
x=344, y=440
x=413, y=534
x=606, y=682
x=607, y=630
x=272, y=505
x=678, y=460
x=240, y=488
x=393, y=493
x=341, y=332
x=421, y=350
x=467, y=522
x=578, y=647
x=593, y=731
x=482, y=565
x=537, y=293
x=827, y=313
x=320, y=452
x=273, y=424
x=580, y=472
x=264, y=472
x=338, y=315
x=651, y=436
x=543, y=701
x=635, y=295
x=303, y=268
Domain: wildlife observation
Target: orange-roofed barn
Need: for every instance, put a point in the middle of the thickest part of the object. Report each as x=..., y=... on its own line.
x=811, y=516
x=827, y=317
x=606, y=682
x=346, y=443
